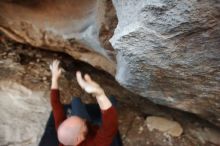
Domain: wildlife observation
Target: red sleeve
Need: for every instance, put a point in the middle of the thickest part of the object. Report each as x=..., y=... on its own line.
x=57, y=107
x=108, y=128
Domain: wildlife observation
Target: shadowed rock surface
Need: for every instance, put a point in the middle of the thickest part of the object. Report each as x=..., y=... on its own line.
x=61, y=25
x=165, y=50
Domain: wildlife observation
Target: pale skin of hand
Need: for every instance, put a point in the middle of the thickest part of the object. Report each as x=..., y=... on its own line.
x=85, y=83
x=56, y=73
x=93, y=88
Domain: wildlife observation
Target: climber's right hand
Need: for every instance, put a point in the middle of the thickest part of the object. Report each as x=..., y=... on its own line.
x=89, y=85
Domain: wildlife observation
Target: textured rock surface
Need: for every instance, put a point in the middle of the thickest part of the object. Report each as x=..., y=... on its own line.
x=164, y=125
x=168, y=51
x=23, y=111
x=62, y=25
x=24, y=114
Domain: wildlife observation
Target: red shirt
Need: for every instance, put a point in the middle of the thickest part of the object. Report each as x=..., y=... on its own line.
x=97, y=136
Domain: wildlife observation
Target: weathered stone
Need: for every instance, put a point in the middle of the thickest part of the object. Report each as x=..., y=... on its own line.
x=44, y=78
x=61, y=25
x=170, y=127
x=206, y=134
x=168, y=51
x=23, y=114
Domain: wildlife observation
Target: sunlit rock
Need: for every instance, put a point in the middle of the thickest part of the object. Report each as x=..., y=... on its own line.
x=23, y=114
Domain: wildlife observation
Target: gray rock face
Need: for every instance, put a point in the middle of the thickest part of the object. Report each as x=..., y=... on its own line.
x=168, y=51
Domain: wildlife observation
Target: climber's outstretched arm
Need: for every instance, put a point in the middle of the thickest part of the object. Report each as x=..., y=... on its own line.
x=57, y=107
x=109, y=126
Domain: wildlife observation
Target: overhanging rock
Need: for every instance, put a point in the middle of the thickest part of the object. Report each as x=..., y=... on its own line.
x=73, y=27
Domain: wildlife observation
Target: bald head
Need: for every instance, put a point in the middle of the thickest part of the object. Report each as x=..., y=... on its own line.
x=72, y=131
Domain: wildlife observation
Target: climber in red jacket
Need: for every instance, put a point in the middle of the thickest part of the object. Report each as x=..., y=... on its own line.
x=79, y=129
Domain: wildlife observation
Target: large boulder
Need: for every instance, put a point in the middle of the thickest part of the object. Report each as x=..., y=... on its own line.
x=168, y=51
